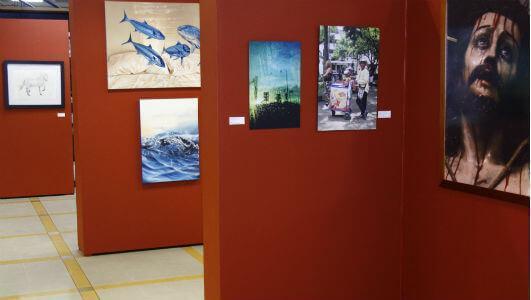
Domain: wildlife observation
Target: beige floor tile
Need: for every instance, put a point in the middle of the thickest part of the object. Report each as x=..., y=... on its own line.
x=71, y=241
x=37, y=277
x=58, y=296
x=16, y=210
x=65, y=222
x=181, y=290
x=59, y=206
x=26, y=225
x=26, y=247
x=58, y=198
x=14, y=200
x=142, y=265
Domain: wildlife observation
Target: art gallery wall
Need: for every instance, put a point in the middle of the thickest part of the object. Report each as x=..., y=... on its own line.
x=210, y=148
x=302, y=214
x=116, y=211
x=36, y=145
x=457, y=245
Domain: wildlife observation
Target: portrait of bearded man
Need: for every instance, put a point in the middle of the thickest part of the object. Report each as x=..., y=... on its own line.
x=487, y=94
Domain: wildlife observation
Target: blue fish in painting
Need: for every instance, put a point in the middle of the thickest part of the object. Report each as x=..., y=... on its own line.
x=178, y=51
x=191, y=34
x=148, y=52
x=145, y=28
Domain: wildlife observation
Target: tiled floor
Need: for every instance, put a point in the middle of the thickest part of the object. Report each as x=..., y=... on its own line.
x=39, y=259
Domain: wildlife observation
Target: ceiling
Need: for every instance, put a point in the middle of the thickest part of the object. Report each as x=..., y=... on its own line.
x=30, y=5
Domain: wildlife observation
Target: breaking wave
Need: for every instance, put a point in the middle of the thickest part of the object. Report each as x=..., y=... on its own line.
x=170, y=156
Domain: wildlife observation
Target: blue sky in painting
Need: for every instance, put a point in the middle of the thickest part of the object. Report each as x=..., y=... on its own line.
x=269, y=62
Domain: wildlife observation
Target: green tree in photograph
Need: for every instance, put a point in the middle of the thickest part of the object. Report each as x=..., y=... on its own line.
x=344, y=49
x=365, y=42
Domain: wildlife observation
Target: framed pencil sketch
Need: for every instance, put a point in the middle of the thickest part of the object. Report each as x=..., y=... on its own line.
x=34, y=84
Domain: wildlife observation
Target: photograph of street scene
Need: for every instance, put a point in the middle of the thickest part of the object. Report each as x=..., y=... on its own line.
x=274, y=84
x=348, y=78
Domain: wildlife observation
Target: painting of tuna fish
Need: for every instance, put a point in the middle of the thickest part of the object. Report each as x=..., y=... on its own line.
x=152, y=45
x=190, y=34
x=151, y=55
x=178, y=51
x=150, y=31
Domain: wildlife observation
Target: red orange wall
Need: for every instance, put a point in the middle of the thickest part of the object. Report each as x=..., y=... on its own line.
x=210, y=145
x=282, y=219
x=302, y=214
x=35, y=145
x=457, y=245
x=116, y=211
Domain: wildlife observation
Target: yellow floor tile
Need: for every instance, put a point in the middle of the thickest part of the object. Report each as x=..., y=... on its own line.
x=199, y=249
x=32, y=268
x=194, y=253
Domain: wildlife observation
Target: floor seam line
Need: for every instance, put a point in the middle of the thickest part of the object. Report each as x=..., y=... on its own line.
x=39, y=294
x=76, y=273
x=194, y=253
x=37, y=215
x=22, y=235
x=28, y=260
x=147, y=282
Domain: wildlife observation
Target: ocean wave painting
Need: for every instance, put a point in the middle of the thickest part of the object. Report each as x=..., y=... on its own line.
x=170, y=140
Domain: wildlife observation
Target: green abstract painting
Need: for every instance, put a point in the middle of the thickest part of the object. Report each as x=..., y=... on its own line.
x=274, y=84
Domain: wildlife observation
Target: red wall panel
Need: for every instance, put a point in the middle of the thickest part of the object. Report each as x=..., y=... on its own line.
x=210, y=153
x=308, y=215
x=116, y=212
x=457, y=245
x=35, y=145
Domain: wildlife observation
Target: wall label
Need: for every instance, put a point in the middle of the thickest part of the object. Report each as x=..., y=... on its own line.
x=236, y=120
x=384, y=114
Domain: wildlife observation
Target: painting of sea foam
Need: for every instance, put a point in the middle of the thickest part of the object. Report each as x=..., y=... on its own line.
x=170, y=140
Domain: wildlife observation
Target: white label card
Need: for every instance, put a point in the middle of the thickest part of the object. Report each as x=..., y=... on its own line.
x=236, y=120
x=384, y=114
x=61, y=115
